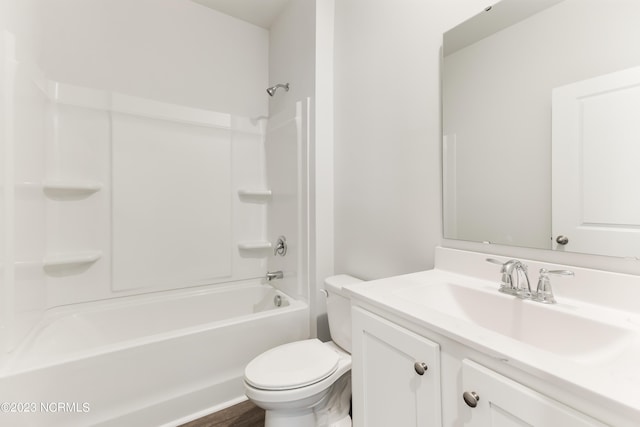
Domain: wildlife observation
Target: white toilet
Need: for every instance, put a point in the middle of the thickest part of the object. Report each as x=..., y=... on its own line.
x=308, y=383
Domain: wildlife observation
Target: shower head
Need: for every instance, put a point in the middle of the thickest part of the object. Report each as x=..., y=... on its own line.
x=272, y=90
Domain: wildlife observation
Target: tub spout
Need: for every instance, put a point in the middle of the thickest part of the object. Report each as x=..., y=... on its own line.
x=274, y=275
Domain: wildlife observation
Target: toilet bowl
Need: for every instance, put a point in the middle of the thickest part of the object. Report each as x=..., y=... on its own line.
x=308, y=383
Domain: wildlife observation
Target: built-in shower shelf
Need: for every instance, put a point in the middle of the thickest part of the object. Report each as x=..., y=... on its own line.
x=28, y=185
x=71, y=259
x=254, y=194
x=255, y=245
x=70, y=188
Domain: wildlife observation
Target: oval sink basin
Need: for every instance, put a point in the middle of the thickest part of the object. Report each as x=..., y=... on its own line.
x=552, y=328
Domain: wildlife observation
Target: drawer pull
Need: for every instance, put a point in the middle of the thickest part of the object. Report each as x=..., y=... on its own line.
x=471, y=398
x=420, y=367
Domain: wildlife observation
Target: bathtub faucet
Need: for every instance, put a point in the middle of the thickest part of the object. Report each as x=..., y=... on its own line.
x=274, y=275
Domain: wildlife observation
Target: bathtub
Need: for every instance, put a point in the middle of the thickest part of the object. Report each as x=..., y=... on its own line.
x=156, y=360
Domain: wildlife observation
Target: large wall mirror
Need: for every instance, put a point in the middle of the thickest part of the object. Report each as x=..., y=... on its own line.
x=541, y=126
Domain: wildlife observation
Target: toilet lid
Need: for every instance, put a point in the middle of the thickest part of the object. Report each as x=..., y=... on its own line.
x=292, y=365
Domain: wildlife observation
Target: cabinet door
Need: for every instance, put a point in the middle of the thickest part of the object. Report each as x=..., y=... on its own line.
x=387, y=388
x=505, y=403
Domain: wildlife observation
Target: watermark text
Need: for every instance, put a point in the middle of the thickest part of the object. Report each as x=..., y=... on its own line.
x=46, y=407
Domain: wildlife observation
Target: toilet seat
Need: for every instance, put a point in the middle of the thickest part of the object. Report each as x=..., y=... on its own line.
x=291, y=366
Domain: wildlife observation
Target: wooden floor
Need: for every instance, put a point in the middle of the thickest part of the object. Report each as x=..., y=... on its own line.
x=244, y=414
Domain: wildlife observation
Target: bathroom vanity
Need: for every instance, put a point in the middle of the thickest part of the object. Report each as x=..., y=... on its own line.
x=445, y=348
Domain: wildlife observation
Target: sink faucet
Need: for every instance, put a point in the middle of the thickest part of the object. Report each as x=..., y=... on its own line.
x=514, y=277
x=515, y=281
x=274, y=275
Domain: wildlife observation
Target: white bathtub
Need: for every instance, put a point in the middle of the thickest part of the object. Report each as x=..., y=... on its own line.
x=145, y=361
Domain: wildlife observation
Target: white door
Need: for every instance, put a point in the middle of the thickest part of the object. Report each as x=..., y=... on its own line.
x=596, y=165
x=388, y=388
x=502, y=402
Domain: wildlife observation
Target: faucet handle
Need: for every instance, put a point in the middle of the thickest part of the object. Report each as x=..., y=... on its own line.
x=506, y=283
x=560, y=272
x=281, y=246
x=544, y=293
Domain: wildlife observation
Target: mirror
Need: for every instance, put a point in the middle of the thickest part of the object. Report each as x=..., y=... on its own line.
x=541, y=133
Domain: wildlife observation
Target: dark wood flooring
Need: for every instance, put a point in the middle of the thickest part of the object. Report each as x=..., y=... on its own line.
x=244, y=414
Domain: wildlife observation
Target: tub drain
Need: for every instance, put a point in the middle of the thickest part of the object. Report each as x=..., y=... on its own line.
x=277, y=300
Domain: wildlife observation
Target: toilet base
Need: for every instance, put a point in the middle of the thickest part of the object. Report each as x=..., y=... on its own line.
x=332, y=410
x=302, y=419
x=289, y=419
x=344, y=422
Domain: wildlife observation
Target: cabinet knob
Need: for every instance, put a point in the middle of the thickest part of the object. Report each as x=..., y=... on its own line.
x=562, y=240
x=420, y=367
x=471, y=398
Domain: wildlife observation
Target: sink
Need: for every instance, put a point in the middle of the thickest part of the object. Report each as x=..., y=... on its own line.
x=565, y=331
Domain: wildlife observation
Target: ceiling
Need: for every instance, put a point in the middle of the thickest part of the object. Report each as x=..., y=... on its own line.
x=500, y=16
x=258, y=12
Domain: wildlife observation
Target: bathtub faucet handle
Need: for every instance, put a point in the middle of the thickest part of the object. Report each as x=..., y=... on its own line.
x=281, y=246
x=274, y=275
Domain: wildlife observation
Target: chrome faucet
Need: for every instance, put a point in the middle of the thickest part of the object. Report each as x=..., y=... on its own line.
x=515, y=281
x=514, y=273
x=274, y=275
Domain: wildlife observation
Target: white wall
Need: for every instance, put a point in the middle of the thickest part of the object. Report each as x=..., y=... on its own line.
x=387, y=132
x=321, y=218
x=175, y=51
x=22, y=204
x=301, y=53
x=291, y=60
x=292, y=54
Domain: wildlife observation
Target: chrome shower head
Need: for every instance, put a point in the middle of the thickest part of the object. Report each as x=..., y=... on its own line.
x=272, y=90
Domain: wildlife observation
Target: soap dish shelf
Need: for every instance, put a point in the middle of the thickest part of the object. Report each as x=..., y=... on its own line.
x=70, y=188
x=71, y=259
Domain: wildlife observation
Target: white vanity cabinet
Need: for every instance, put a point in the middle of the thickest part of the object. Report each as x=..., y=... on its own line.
x=502, y=402
x=388, y=391
x=395, y=375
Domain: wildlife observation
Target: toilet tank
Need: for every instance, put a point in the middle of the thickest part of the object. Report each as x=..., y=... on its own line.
x=339, y=309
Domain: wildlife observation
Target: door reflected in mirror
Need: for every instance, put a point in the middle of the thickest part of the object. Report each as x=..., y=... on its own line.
x=527, y=159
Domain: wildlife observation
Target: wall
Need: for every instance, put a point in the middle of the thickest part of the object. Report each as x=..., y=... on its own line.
x=292, y=59
x=301, y=53
x=23, y=106
x=292, y=54
x=169, y=50
x=321, y=218
x=387, y=132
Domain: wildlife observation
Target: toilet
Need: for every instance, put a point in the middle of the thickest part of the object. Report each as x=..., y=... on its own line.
x=308, y=383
